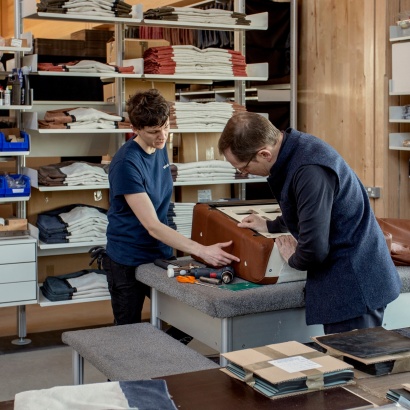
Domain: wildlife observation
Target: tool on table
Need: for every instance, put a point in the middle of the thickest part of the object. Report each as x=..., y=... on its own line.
x=224, y=274
x=173, y=269
x=191, y=279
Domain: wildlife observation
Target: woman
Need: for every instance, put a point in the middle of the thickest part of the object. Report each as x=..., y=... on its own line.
x=140, y=193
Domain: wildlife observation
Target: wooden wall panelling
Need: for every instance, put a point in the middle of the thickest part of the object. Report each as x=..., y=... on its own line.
x=332, y=83
x=344, y=70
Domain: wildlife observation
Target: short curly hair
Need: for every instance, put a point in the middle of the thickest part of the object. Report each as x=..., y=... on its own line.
x=147, y=109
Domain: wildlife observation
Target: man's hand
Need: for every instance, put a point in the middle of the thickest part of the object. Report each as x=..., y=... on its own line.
x=255, y=222
x=286, y=245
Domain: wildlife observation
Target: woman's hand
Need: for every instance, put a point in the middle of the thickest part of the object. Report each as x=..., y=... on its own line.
x=214, y=255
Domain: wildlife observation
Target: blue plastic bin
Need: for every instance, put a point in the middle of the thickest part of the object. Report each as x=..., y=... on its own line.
x=5, y=191
x=2, y=186
x=6, y=146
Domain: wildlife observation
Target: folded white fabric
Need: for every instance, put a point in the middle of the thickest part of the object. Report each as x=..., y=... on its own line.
x=204, y=164
x=82, y=213
x=81, y=168
x=89, y=281
x=91, y=114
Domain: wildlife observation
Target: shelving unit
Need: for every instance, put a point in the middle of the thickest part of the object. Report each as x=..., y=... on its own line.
x=399, y=85
x=18, y=272
x=97, y=142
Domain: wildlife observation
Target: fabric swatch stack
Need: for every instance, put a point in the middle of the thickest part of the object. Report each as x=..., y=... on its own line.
x=88, y=283
x=190, y=60
x=72, y=173
x=96, y=8
x=215, y=170
x=196, y=15
x=72, y=224
x=180, y=217
x=82, y=118
x=202, y=115
x=85, y=66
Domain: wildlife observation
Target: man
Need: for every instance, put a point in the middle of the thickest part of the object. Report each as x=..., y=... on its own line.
x=334, y=234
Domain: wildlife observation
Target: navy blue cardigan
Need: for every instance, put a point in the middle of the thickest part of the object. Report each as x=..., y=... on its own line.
x=357, y=273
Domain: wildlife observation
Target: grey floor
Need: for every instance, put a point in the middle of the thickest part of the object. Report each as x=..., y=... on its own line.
x=39, y=369
x=43, y=368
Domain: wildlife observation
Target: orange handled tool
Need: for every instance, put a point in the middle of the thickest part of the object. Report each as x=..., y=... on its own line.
x=191, y=279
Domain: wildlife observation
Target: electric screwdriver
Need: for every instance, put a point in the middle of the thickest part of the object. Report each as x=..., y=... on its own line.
x=224, y=274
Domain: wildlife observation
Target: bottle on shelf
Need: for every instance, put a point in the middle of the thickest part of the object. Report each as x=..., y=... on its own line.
x=22, y=87
x=16, y=88
x=1, y=95
x=7, y=96
x=26, y=84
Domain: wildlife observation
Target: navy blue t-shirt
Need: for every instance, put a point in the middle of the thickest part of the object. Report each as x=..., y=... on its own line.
x=132, y=171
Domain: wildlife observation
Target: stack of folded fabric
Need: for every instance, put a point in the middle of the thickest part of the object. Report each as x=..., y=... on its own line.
x=88, y=283
x=190, y=60
x=215, y=170
x=72, y=224
x=85, y=66
x=100, y=8
x=50, y=6
x=82, y=118
x=73, y=173
x=194, y=15
x=180, y=217
x=202, y=115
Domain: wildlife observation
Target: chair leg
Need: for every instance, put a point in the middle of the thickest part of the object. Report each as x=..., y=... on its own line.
x=78, y=368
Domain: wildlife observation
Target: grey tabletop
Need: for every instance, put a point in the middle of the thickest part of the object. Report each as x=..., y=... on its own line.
x=221, y=303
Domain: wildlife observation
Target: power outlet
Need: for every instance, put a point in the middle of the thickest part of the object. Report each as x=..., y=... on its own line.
x=373, y=191
x=204, y=195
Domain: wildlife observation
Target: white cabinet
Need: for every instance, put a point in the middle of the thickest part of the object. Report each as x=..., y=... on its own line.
x=18, y=276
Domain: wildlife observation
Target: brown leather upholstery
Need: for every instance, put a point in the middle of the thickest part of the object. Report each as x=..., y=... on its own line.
x=210, y=226
x=399, y=231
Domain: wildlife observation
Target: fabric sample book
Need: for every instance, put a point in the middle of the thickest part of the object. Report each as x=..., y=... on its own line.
x=287, y=368
x=375, y=351
x=400, y=396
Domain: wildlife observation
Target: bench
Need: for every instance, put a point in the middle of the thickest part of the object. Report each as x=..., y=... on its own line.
x=132, y=352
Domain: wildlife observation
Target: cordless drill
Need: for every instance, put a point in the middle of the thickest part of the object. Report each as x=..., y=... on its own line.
x=224, y=274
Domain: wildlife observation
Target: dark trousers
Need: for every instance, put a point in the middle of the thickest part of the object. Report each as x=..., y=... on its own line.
x=372, y=318
x=127, y=293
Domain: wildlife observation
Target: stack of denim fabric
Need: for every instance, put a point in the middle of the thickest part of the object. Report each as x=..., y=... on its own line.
x=87, y=283
x=73, y=223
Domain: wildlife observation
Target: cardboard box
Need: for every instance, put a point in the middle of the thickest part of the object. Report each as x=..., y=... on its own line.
x=16, y=42
x=6, y=211
x=109, y=92
x=133, y=48
x=14, y=224
x=166, y=89
x=93, y=35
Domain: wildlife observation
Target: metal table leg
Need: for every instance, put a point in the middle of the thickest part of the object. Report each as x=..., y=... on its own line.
x=21, y=326
x=78, y=368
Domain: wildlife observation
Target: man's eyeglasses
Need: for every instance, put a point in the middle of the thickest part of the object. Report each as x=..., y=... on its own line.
x=242, y=170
